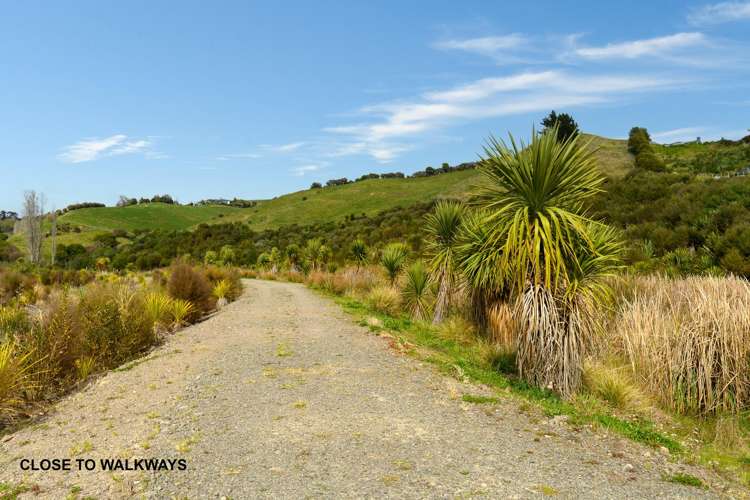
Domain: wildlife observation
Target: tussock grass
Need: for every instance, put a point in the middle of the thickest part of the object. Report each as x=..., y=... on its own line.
x=457, y=329
x=612, y=384
x=385, y=299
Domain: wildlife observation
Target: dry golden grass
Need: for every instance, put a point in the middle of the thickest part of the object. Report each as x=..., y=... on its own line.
x=688, y=341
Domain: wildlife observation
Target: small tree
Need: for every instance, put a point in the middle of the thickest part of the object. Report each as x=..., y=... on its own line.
x=293, y=255
x=53, y=237
x=566, y=125
x=638, y=140
x=442, y=227
x=33, y=212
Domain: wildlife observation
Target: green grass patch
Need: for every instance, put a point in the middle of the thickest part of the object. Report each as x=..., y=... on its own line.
x=686, y=479
x=480, y=400
x=9, y=491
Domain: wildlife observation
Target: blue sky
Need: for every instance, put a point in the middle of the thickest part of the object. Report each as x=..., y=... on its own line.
x=256, y=99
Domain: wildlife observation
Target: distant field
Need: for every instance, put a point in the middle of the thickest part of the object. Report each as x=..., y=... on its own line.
x=309, y=206
x=147, y=216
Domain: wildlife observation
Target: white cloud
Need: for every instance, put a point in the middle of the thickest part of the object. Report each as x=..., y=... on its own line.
x=655, y=47
x=284, y=148
x=687, y=134
x=293, y=146
x=487, y=46
x=678, y=134
x=239, y=156
x=485, y=98
x=304, y=169
x=95, y=148
x=720, y=13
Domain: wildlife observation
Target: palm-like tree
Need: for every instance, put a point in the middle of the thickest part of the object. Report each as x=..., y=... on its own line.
x=393, y=259
x=359, y=252
x=442, y=227
x=416, y=292
x=534, y=197
x=293, y=256
x=533, y=242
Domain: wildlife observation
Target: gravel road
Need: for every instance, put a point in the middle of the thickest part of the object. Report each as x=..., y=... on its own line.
x=281, y=395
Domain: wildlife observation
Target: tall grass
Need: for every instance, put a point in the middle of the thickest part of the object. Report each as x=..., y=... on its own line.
x=688, y=341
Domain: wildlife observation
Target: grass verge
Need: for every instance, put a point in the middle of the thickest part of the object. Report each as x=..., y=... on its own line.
x=463, y=361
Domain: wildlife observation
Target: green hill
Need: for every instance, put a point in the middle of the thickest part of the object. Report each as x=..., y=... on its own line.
x=303, y=207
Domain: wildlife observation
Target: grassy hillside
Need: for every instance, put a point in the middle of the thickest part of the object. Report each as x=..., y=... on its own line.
x=93, y=221
x=365, y=197
x=148, y=216
x=612, y=155
x=304, y=207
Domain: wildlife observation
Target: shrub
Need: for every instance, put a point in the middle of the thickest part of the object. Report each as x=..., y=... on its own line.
x=648, y=160
x=12, y=283
x=13, y=378
x=216, y=274
x=188, y=283
x=385, y=299
x=114, y=323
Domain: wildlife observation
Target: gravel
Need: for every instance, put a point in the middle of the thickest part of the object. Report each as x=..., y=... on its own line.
x=281, y=395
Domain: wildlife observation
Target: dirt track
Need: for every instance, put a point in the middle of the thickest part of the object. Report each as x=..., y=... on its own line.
x=281, y=395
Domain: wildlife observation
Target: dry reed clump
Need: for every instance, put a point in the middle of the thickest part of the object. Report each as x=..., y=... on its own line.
x=385, y=299
x=321, y=280
x=294, y=276
x=354, y=281
x=688, y=342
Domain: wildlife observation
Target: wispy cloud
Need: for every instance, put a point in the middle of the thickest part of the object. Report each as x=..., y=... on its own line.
x=390, y=123
x=706, y=133
x=304, y=169
x=94, y=148
x=292, y=146
x=486, y=46
x=239, y=156
x=718, y=13
x=651, y=47
x=678, y=134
